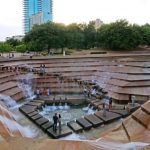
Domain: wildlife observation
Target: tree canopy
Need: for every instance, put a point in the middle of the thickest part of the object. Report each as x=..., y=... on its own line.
x=4, y=47
x=46, y=36
x=119, y=35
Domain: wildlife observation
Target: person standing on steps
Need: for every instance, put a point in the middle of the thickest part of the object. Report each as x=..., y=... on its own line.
x=110, y=103
x=59, y=122
x=104, y=110
x=55, y=120
x=133, y=99
x=48, y=92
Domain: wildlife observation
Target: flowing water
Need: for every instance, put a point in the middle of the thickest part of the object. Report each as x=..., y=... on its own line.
x=67, y=113
x=25, y=84
x=8, y=101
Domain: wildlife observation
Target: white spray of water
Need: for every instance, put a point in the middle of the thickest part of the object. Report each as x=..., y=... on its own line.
x=88, y=109
x=74, y=136
x=102, y=144
x=8, y=101
x=25, y=84
x=12, y=126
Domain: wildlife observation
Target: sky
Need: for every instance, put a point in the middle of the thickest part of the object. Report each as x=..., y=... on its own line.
x=69, y=11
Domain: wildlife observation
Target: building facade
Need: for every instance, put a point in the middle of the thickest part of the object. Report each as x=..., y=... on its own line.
x=98, y=23
x=15, y=37
x=37, y=12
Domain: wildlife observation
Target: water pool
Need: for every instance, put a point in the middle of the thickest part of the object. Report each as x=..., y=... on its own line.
x=68, y=113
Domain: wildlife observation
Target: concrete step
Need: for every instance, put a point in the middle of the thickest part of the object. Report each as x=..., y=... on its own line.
x=65, y=130
x=95, y=121
x=110, y=116
x=74, y=126
x=84, y=123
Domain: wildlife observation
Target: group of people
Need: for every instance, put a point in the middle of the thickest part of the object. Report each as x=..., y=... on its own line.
x=132, y=100
x=57, y=122
x=131, y=103
x=42, y=69
x=107, y=106
x=43, y=92
x=89, y=92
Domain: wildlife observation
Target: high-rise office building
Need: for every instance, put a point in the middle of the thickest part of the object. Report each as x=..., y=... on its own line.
x=37, y=12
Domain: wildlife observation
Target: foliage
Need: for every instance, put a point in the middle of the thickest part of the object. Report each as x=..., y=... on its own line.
x=75, y=36
x=119, y=35
x=145, y=32
x=90, y=35
x=13, y=42
x=4, y=47
x=21, y=48
x=46, y=36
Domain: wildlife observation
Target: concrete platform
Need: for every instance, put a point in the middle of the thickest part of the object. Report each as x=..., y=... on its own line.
x=38, y=101
x=133, y=108
x=74, y=126
x=94, y=101
x=145, y=108
x=97, y=104
x=100, y=107
x=58, y=134
x=47, y=125
x=32, y=114
x=26, y=109
x=84, y=123
x=110, y=116
x=123, y=112
x=95, y=121
x=41, y=121
x=36, y=117
x=38, y=105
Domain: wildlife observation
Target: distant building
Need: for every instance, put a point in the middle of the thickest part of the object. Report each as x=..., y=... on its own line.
x=16, y=37
x=37, y=12
x=98, y=23
x=35, y=19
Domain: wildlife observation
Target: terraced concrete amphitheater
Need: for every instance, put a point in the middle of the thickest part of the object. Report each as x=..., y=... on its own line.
x=117, y=76
x=120, y=75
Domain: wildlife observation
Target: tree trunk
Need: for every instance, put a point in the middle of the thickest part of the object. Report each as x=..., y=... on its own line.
x=49, y=50
x=62, y=50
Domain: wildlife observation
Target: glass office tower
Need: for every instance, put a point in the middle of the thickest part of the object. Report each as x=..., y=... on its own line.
x=36, y=12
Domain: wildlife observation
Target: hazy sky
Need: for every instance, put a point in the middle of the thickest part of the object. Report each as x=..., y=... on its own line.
x=68, y=11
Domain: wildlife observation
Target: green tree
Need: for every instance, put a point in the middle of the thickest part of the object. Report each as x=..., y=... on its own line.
x=21, y=48
x=119, y=35
x=90, y=35
x=46, y=36
x=75, y=36
x=145, y=33
x=13, y=42
x=5, y=48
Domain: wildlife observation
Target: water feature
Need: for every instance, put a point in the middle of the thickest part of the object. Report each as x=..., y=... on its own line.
x=91, y=110
x=46, y=109
x=68, y=113
x=74, y=136
x=13, y=126
x=88, y=109
x=66, y=107
x=25, y=84
x=8, y=120
x=8, y=101
x=60, y=106
x=53, y=107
